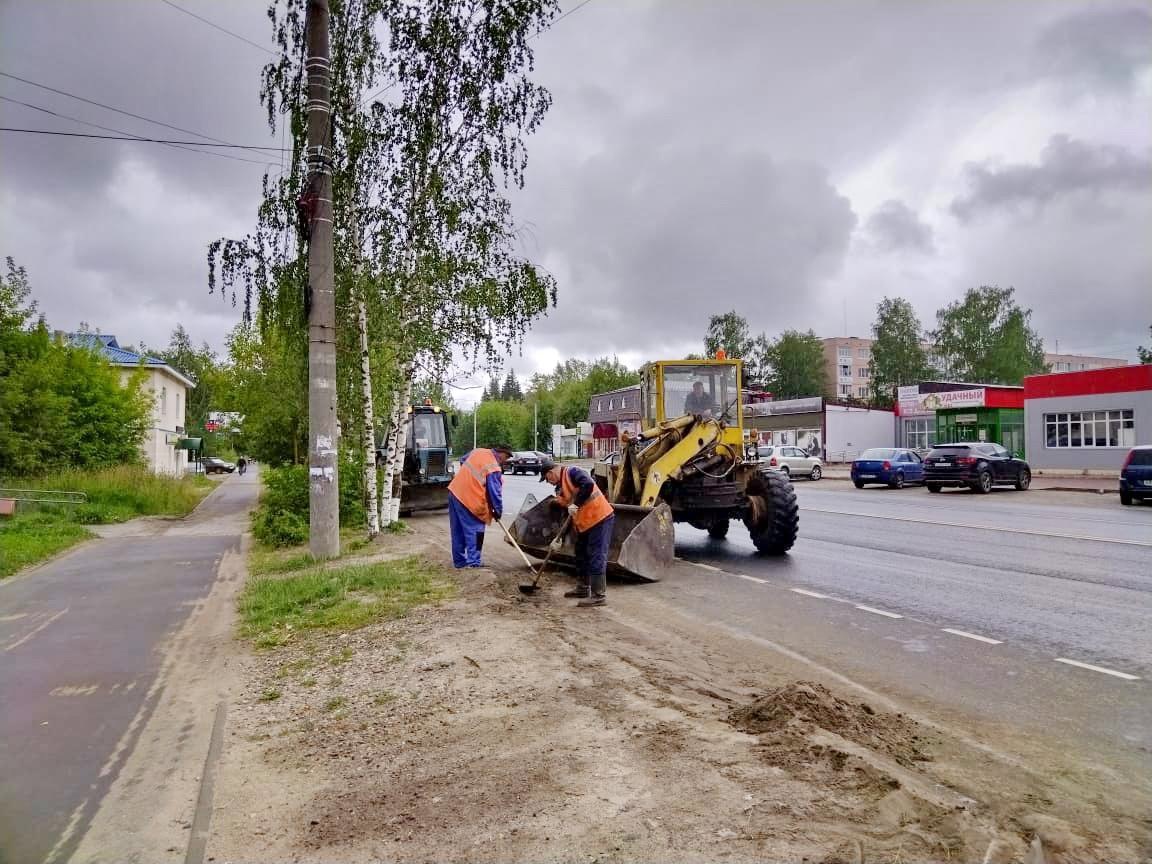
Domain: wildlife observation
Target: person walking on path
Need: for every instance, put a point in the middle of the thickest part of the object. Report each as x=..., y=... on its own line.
x=592, y=518
x=475, y=498
x=241, y=465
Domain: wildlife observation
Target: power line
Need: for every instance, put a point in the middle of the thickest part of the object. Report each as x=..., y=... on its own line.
x=571, y=11
x=122, y=111
x=221, y=29
x=122, y=132
x=137, y=138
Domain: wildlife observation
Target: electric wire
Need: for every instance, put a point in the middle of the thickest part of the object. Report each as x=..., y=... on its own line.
x=122, y=111
x=218, y=27
x=128, y=136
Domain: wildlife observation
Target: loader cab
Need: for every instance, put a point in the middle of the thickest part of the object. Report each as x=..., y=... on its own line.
x=712, y=387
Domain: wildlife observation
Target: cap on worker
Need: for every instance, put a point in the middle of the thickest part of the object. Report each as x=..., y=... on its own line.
x=502, y=448
x=546, y=465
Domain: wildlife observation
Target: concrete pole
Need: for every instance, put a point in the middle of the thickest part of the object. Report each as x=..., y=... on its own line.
x=324, y=485
x=475, y=411
x=535, y=425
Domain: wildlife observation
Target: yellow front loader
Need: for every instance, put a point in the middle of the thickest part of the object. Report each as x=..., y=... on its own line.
x=685, y=465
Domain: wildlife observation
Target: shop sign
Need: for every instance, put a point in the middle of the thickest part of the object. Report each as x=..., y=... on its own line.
x=908, y=398
x=973, y=398
x=811, y=405
x=967, y=419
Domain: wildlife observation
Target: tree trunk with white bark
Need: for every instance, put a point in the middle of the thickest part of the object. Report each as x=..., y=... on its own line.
x=394, y=454
x=371, y=491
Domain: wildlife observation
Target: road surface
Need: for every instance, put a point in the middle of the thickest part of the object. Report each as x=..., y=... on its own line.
x=1029, y=611
x=82, y=642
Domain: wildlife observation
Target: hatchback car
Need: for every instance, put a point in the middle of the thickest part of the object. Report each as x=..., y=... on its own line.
x=791, y=461
x=892, y=466
x=1136, y=475
x=979, y=466
x=525, y=462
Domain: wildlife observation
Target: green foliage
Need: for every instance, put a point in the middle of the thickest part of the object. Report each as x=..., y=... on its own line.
x=60, y=405
x=1144, y=354
x=25, y=540
x=268, y=384
x=510, y=390
x=730, y=332
x=986, y=338
x=281, y=519
x=898, y=356
x=796, y=361
x=275, y=609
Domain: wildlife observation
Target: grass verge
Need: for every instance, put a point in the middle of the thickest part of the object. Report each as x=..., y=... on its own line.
x=114, y=495
x=28, y=539
x=277, y=607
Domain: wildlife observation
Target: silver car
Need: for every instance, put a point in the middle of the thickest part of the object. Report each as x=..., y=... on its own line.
x=791, y=461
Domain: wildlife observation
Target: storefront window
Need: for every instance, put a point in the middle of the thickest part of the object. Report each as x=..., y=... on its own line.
x=916, y=434
x=1090, y=429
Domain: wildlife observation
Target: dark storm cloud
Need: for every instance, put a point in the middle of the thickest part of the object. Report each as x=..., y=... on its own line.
x=1097, y=47
x=1066, y=167
x=895, y=227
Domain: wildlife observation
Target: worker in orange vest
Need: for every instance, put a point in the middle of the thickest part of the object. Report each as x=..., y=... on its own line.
x=475, y=498
x=592, y=517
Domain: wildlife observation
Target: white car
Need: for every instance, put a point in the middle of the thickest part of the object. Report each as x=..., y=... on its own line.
x=791, y=461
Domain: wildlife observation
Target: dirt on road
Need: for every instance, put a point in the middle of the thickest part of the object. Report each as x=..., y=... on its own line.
x=498, y=727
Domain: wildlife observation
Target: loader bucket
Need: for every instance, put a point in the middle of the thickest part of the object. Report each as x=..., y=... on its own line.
x=643, y=542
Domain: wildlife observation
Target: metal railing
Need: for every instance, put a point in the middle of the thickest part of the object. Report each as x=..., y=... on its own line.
x=41, y=497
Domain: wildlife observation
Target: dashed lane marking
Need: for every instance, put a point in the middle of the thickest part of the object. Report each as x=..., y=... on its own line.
x=810, y=593
x=1001, y=530
x=707, y=567
x=876, y=611
x=1101, y=669
x=975, y=636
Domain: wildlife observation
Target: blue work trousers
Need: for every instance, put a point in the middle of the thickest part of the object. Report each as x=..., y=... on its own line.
x=592, y=555
x=467, y=534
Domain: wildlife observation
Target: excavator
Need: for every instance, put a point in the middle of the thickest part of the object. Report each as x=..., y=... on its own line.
x=687, y=464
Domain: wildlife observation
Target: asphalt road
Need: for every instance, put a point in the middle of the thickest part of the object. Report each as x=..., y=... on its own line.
x=81, y=645
x=968, y=605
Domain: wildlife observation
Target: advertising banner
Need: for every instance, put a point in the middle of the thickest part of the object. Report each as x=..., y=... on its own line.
x=973, y=398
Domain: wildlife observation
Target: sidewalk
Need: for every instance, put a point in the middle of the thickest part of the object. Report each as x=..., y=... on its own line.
x=1048, y=481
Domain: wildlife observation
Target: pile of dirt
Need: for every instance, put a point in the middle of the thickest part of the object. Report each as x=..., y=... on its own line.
x=797, y=710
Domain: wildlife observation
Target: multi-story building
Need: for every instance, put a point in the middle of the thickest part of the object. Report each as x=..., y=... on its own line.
x=846, y=371
x=847, y=375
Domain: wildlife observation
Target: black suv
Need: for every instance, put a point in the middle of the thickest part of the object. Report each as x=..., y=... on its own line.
x=977, y=466
x=1136, y=475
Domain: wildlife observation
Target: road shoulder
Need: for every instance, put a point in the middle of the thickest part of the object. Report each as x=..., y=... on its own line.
x=497, y=727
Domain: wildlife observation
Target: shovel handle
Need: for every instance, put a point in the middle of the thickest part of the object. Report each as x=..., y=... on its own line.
x=512, y=540
x=548, y=557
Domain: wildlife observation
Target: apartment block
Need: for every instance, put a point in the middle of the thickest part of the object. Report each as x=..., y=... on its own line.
x=846, y=359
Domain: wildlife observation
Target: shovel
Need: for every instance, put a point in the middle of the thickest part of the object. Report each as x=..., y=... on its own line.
x=531, y=589
x=511, y=540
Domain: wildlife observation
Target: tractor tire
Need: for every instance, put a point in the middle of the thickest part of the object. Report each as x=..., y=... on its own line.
x=773, y=519
x=718, y=530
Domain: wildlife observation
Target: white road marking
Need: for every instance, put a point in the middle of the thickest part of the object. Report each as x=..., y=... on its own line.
x=1113, y=672
x=18, y=642
x=982, y=527
x=876, y=611
x=706, y=567
x=809, y=593
x=749, y=578
x=975, y=636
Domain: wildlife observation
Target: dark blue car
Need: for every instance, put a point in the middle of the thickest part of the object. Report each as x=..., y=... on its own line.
x=892, y=466
x=1136, y=476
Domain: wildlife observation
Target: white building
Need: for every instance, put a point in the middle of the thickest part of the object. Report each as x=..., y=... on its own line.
x=169, y=389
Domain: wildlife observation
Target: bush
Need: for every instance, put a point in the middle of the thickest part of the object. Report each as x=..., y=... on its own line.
x=282, y=517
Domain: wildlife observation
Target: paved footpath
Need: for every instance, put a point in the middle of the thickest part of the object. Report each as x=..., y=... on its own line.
x=84, y=642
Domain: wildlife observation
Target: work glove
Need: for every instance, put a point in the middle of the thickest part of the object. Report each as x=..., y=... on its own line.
x=573, y=510
x=556, y=544
x=498, y=516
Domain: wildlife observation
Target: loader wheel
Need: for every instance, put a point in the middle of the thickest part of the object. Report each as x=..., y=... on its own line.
x=718, y=530
x=772, y=518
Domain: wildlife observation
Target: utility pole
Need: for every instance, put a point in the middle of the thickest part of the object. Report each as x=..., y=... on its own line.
x=535, y=424
x=323, y=480
x=475, y=411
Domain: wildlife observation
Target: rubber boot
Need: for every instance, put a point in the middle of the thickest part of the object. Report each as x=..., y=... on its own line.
x=593, y=600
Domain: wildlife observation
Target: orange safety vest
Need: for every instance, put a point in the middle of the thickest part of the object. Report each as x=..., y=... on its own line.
x=470, y=483
x=592, y=512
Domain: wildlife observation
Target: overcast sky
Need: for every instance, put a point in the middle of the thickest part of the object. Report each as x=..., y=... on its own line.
x=796, y=161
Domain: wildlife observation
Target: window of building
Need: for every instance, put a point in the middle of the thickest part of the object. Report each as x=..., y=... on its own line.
x=611, y=404
x=845, y=389
x=862, y=392
x=864, y=372
x=177, y=404
x=864, y=353
x=845, y=370
x=1090, y=429
x=163, y=401
x=623, y=402
x=916, y=434
x=844, y=353
x=599, y=404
